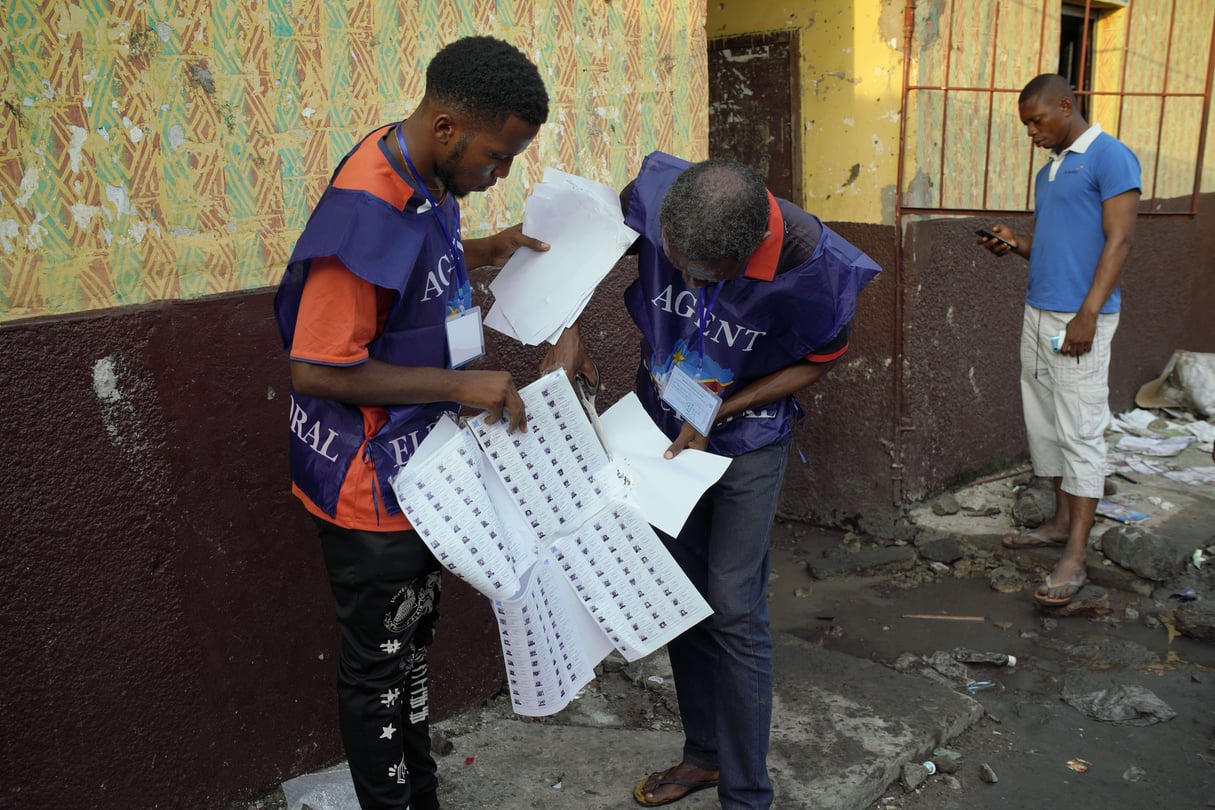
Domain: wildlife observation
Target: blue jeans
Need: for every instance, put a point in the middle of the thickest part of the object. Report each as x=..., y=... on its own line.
x=723, y=666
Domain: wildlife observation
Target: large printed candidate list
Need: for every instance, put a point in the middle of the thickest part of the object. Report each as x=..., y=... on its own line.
x=553, y=532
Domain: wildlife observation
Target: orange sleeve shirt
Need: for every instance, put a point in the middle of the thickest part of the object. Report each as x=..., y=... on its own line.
x=339, y=315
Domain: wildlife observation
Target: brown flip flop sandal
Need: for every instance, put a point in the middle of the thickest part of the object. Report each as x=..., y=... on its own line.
x=660, y=780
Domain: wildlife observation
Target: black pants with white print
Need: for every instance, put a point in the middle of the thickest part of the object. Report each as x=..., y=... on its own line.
x=386, y=594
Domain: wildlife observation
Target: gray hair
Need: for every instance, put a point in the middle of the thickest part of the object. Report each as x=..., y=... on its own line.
x=716, y=209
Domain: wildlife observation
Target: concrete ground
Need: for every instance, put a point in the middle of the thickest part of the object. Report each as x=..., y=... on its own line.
x=861, y=698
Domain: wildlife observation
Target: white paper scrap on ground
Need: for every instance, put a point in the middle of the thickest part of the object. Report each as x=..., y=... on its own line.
x=1199, y=476
x=1136, y=422
x=1162, y=448
x=332, y=789
x=571, y=564
x=537, y=294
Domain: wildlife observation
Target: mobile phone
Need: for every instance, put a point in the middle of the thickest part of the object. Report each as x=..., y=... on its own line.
x=989, y=235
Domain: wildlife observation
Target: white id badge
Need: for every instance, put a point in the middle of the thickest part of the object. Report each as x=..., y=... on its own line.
x=691, y=400
x=465, y=339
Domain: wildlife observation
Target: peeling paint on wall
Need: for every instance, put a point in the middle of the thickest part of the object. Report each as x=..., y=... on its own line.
x=150, y=155
x=119, y=411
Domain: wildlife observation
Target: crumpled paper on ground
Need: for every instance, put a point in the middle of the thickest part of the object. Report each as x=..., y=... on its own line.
x=324, y=790
x=1188, y=381
x=1126, y=705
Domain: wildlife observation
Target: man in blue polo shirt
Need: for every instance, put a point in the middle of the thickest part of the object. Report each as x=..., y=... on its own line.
x=1085, y=200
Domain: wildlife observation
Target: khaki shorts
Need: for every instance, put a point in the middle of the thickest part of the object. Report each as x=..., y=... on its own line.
x=1066, y=402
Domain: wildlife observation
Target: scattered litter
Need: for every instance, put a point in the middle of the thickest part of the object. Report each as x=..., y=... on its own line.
x=1205, y=431
x=945, y=617
x=1133, y=774
x=1156, y=500
x=1129, y=705
x=557, y=785
x=973, y=657
x=1199, y=558
x=1079, y=765
x=332, y=789
x=1137, y=422
x=655, y=679
x=1185, y=595
x=1136, y=464
x=1120, y=513
x=943, y=663
x=1196, y=476
x=1161, y=448
x=469, y=760
x=1188, y=381
x=979, y=686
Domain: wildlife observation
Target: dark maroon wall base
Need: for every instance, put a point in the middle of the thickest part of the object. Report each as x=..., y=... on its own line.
x=168, y=632
x=964, y=310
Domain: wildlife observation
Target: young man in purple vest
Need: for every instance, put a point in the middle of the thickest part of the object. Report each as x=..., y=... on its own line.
x=1085, y=200
x=375, y=310
x=748, y=297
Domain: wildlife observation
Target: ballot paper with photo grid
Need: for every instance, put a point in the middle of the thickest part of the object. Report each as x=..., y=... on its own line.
x=550, y=645
x=450, y=493
x=547, y=527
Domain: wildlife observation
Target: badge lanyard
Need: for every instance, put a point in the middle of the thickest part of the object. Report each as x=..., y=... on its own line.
x=456, y=256
x=688, y=395
x=702, y=322
x=465, y=336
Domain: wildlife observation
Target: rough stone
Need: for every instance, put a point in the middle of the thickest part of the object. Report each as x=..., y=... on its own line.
x=972, y=502
x=1007, y=579
x=1027, y=511
x=865, y=560
x=988, y=774
x=912, y=775
x=1147, y=554
x=941, y=549
x=1196, y=620
x=945, y=505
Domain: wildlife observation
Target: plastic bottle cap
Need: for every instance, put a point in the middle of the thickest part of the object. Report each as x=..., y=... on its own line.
x=931, y=767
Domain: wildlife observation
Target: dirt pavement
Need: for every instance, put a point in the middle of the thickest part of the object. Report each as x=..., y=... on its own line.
x=859, y=703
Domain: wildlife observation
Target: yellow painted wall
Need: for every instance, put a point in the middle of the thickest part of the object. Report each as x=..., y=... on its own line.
x=967, y=149
x=1164, y=134
x=169, y=149
x=850, y=76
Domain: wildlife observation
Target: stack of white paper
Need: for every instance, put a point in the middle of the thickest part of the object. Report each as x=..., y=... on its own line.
x=537, y=295
x=558, y=536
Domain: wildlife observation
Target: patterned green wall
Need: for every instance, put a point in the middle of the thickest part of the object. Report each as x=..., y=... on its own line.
x=165, y=150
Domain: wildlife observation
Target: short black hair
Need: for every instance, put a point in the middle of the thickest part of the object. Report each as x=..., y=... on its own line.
x=1048, y=87
x=489, y=80
x=716, y=209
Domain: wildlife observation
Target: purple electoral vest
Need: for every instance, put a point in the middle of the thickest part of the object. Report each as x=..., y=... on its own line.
x=754, y=328
x=402, y=251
